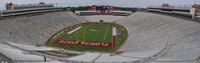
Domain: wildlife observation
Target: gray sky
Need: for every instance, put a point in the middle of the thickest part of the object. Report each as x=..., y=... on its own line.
x=123, y=3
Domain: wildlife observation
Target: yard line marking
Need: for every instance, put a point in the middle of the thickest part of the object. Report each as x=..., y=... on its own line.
x=84, y=29
x=106, y=32
x=70, y=32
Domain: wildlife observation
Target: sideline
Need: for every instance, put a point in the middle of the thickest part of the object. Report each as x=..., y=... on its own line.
x=70, y=32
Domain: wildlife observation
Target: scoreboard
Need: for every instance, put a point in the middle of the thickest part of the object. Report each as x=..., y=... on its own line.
x=102, y=9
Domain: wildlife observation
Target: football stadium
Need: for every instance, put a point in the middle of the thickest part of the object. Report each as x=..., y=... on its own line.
x=99, y=31
x=92, y=36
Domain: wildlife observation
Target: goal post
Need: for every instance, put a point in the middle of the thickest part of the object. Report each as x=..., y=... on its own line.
x=114, y=34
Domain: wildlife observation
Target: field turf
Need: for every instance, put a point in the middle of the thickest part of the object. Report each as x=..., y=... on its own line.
x=91, y=32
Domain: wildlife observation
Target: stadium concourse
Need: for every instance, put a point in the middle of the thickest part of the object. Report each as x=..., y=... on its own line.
x=153, y=38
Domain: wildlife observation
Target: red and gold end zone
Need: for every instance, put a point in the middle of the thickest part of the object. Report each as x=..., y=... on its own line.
x=83, y=43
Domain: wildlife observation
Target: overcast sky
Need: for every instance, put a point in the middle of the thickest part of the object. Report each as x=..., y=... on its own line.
x=123, y=3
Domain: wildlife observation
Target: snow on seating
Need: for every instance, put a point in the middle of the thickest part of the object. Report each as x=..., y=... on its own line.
x=87, y=57
x=106, y=58
x=36, y=29
x=148, y=31
x=33, y=48
x=20, y=56
x=149, y=35
x=106, y=18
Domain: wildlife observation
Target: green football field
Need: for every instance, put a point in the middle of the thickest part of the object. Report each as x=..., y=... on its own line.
x=90, y=32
